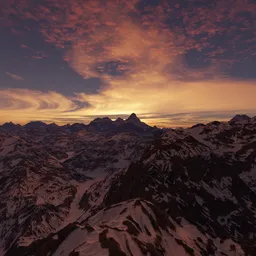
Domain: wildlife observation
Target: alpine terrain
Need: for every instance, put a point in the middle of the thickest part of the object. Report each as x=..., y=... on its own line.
x=124, y=188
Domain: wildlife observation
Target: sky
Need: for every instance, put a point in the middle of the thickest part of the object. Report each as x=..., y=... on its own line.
x=173, y=63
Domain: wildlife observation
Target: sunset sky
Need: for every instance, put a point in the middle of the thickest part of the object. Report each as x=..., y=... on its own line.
x=173, y=63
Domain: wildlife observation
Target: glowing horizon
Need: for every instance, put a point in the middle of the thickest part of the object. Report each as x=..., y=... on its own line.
x=143, y=62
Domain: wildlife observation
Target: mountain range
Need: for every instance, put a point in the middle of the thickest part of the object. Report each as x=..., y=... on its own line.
x=125, y=188
x=105, y=124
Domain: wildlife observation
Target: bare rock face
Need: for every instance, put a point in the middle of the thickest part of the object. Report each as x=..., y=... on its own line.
x=118, y=192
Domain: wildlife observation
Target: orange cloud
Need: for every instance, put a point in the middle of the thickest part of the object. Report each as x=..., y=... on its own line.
x=142, y=49
x=149, y=55
x=170, y=97
x=21, y=105
x=122, y=99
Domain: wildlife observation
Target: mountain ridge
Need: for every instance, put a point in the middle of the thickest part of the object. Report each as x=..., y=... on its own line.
x=104, y=124
x=202, y=179
x=118, y=121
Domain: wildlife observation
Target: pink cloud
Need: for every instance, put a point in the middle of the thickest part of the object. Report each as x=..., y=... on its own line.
x=152, y=43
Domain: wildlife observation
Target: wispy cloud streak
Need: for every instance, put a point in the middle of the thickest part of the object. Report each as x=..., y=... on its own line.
x=14, y=76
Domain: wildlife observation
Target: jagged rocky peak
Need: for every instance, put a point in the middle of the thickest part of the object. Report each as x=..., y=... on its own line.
x=134, y=120
x=10, y=125
x=101, y=120
x=77, y=127
x=101, y=124
x=106, y=119
x=119, y=120
x=35, y=124
x=133, y=117
x=215, y=123
x=53, y=125
x=198, y=125
x=240, y=118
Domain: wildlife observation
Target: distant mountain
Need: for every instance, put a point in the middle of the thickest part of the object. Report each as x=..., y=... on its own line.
x=101, y=124
x=131, y=124
x=11, y=127
x=76, y=127
x=133, y=119
x=119, y=121
x=240, y=118
x=123, y=188
x=35, y=125
x=105, y=124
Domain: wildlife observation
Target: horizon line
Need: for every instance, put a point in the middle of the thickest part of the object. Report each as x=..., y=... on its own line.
x=182, y=123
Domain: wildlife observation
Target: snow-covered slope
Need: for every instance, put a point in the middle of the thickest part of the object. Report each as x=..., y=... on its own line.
x=44, y=177
x=128, y=191
x=134, y=227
